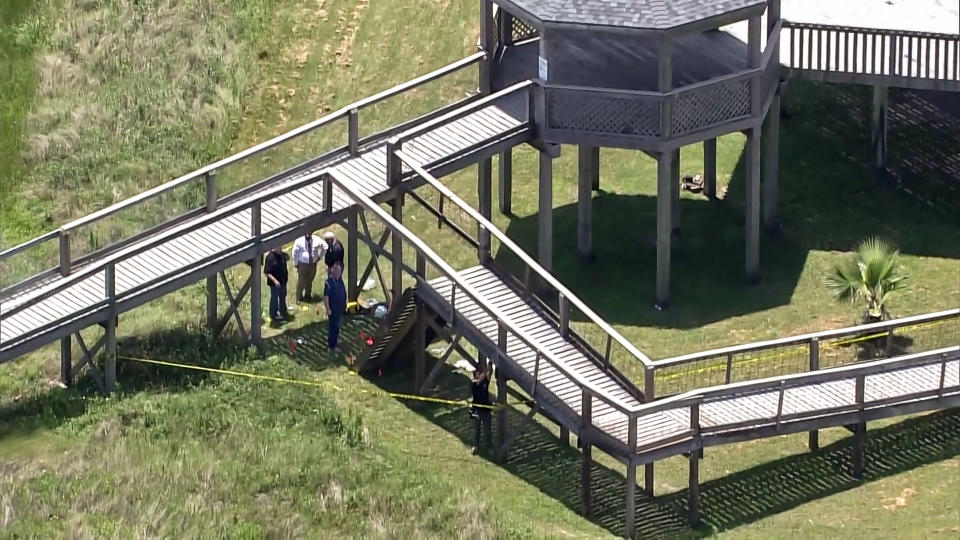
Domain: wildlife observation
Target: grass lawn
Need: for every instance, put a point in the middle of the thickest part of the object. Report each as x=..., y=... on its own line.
x=179, y=454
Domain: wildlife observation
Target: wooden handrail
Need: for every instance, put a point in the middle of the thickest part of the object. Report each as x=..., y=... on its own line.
x=802, y=339
x=865, y=30
x=886, y=365
x=457, y=282
x=340, y=114
x=524, y=257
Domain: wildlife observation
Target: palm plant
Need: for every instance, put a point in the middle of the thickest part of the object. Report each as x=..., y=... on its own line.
x=871, y=276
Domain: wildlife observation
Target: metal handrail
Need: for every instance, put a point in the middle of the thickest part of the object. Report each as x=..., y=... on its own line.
x=438, y=262
x=342, y=113
x=505, y=240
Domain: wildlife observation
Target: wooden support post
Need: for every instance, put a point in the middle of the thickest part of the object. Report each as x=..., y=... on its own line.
x=501, y=414
x=484, y=197
x=486, y=44
x=66, y=361
x=256, y=297
x=630, y=509
x=879, y=127
x=420, y=347
x=353, y=132
x=675, y=191
x=564, y=436
x=753, y=206
x=505, y=186
x=814, y=435
x=771, y=165
x=397, y=250
x=664, y=225
x=353, y=256
x=211, y=186
x=595, y=172
x=110, y=328
x=649, y=394
x=506, y=27
x=545, y=216
x=693, y=489
x=586, y=456
x=859, y=431
x=585, y=201
x=710, y=168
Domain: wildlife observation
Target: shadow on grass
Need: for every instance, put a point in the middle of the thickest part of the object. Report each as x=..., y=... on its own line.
x=829, y=200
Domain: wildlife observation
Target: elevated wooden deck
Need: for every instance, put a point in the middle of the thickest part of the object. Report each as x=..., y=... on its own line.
x=196, y=248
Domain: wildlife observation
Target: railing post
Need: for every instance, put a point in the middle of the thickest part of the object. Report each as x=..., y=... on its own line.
x=631, y=498
x=649, y=386
x=421, y=266
x=889, y=344
x=586, y=456
x=110, y=338
x=486, y=45
x=255, y=221
x=727, y=376
x=859, y=431
x=564, y=308
x=64, y=252
x=394, y=175
x=211, y=184
x=693, y=486
x=353, y=132
x=943, y=375
x=256, y=279
x=328, y=194
x=814, y=435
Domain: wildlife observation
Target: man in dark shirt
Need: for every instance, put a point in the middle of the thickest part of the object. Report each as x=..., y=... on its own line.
x=334, y=253
x=480, y=388
x=335, y=300
x=275, y=268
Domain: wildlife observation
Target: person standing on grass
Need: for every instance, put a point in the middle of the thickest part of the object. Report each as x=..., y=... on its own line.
x=307, y=250
x=335, y=300
x=480, y=412
x=334, y=253
x=275, y=268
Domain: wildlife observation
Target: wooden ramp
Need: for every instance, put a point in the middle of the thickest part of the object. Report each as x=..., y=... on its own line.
x=196, y=248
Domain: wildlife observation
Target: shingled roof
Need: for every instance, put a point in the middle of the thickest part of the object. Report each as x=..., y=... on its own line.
x=640, y=14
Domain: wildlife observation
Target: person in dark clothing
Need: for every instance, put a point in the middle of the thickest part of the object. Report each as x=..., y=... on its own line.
x=335, y=300
x=275, y=268
x=334, y=254
x=480, y=388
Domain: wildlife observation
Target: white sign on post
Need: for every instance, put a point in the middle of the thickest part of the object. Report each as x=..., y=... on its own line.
x=542, y=64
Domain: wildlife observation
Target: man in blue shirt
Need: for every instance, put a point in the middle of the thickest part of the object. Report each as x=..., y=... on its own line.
x=335, y=300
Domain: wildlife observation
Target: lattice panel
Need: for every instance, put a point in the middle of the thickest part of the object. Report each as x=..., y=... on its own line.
x=711, y=105
x=598, y=113
x=521, y=30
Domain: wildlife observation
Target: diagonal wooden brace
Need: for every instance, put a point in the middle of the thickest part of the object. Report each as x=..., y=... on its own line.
x=440, y=362
x=87, y=360
x=234, y=308
x=374, y=258
x=518, y=431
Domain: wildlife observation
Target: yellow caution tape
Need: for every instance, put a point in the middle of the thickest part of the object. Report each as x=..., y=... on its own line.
x=395, y=395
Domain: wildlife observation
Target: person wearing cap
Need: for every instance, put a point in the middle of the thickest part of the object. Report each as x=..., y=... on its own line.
x=275, y=270
x=307, y=250
x=334, y=253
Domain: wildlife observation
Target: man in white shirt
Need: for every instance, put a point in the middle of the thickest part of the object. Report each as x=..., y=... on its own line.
x=307, y=250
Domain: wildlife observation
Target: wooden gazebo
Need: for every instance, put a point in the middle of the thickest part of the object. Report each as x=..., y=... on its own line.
x=645, y=75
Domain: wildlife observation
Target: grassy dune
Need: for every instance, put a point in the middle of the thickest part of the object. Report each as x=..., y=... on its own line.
x=107, y=98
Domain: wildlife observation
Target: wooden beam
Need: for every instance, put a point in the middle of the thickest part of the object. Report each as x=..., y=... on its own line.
x=586, y=454
x=420, y=347
x=545, y=215
x=110, y=359
x=710, y=168
x=501, y=412
x=771, y=165
x=586, y=156
x=505, y=186
x=648, y=479
x=212, y=309
x=753, y=206
x=397, y=249
x=595, y=173
x=664, y=222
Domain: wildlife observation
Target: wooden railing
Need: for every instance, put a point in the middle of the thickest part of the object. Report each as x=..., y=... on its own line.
x=806, y=352
x=609, y=348
x=872, y=51
x=506, y=329
x=208, y=174
x=848, y=404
